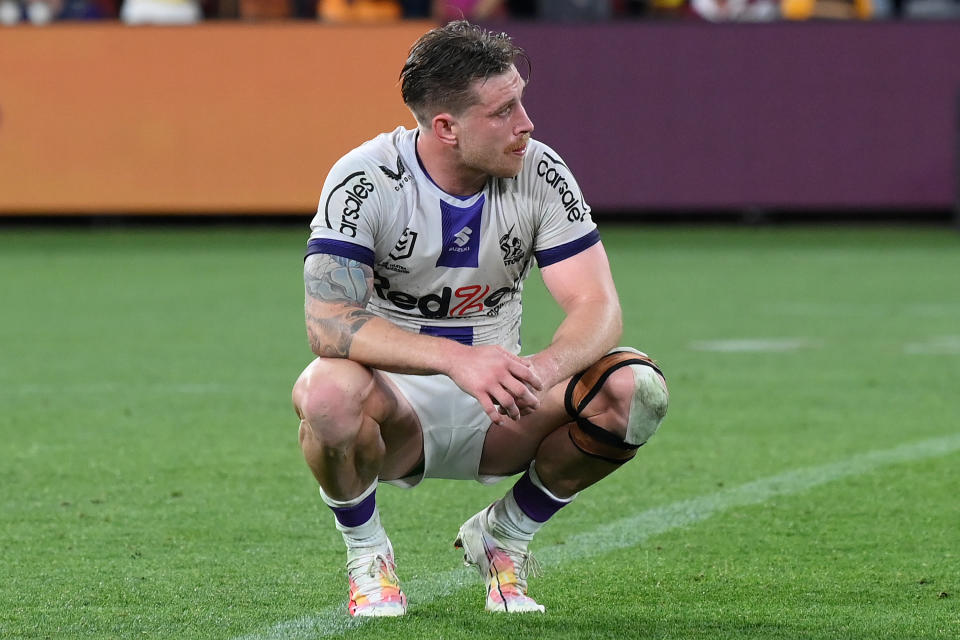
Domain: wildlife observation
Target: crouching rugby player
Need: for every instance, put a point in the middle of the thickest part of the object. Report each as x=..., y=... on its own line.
x=414, y=274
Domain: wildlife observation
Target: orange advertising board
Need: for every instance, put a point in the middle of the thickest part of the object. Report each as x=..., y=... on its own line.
x=212, y=118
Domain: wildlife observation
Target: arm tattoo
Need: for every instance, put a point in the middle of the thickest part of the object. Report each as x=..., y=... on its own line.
x=335, y=279
x=342, y=287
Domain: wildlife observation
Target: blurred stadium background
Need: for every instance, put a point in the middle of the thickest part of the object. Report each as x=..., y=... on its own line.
x=660, y=119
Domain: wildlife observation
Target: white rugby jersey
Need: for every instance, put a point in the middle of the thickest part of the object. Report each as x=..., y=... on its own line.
x=446, y=265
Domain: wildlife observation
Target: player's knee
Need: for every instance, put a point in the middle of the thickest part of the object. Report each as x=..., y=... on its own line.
x=328, y=398
x=617, y=405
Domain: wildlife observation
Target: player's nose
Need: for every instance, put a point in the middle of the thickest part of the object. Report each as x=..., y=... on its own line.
x=524, y=124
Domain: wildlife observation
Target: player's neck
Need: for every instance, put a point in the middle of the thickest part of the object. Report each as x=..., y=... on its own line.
x=444, y=168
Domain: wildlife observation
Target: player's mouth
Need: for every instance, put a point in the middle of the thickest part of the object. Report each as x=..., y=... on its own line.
x=519, y=148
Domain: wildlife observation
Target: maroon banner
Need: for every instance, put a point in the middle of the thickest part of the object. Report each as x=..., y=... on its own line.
x=821, y=115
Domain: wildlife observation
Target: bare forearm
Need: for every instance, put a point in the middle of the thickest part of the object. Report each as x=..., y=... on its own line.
x=589, y=330
x=339, y=325
x=357, y=334
x=583, y=287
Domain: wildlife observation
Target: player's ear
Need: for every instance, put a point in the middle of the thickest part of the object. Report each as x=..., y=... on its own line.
x=445, y=128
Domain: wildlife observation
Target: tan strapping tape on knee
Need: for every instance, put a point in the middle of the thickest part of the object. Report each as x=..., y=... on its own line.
x=582, y=388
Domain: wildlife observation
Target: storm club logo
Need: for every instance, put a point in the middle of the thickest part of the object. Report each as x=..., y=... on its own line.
x=511, y=246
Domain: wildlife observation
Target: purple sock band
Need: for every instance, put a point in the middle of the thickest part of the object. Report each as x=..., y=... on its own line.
x=358, y=514
x=534, y=502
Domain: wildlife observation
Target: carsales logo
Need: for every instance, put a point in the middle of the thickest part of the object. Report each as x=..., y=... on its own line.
x=468, y=300
x=548, y=169
x=346, y=200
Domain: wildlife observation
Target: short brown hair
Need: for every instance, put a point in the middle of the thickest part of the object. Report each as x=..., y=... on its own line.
x=445, y=61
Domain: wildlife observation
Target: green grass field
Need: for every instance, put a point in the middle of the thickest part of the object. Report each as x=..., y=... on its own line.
x=804, y=485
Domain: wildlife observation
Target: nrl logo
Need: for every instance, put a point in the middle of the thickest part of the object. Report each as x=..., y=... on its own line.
x=404, y=247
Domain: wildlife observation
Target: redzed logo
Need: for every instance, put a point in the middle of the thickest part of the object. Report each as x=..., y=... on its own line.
x=471, y=299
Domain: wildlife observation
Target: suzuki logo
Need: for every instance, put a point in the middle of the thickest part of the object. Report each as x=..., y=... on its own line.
x=463, y=236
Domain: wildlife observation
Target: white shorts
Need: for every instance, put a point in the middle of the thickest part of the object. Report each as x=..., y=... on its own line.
x=454, y=427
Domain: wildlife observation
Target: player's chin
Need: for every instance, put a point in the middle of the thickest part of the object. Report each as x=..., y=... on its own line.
x=509, y=170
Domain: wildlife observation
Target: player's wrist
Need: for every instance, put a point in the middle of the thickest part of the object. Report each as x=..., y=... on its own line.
x=548, y=368
x=447, y=355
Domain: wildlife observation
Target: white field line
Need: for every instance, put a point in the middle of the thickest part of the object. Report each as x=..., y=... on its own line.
x=940, y=345
x=758, y=345
x=628, y=532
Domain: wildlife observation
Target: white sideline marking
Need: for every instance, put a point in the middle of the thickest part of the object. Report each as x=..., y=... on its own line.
x=942, y=345
x=628, y=532
x=754, y=345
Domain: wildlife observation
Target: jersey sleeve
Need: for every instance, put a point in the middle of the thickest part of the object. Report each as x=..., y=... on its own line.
x=565, y=227
x=347, y=214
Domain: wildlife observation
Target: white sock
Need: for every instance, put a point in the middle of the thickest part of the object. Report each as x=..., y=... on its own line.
x=366, y=534
x=507, y=520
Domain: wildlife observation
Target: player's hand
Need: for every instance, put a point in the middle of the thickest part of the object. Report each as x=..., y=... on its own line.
x=504, y=384
x=546, y=369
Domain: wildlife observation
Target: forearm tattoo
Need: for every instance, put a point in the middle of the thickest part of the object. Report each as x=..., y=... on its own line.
x=342, y=287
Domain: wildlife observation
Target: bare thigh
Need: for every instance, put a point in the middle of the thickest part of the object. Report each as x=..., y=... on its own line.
x=509, y=448
x=400, y=431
